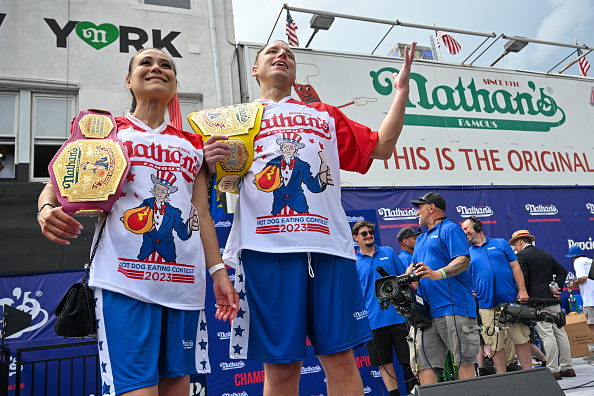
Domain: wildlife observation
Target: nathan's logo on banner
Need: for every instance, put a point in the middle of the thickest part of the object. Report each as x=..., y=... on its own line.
x=477, y=211
x=223, y=223
x=23, y=301
x=590, y=207
x=584, y=245
x=471, y=101
x=104, y=34
x=232, y=365
x=398, y=213
x=311, y=369
x=224, y=336
x=188, y=344
x=541, y=210
x=376, y=373
x=243, y=393
x=355, y=219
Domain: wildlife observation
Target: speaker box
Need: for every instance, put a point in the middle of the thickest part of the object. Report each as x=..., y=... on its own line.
x=537, y=382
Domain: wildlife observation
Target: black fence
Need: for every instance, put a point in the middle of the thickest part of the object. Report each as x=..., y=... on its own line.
x=77, y=374
x=73, y=369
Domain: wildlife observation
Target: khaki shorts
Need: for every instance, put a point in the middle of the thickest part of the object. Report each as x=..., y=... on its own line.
x=589, y=311
x=433, y=344
x=518, y=332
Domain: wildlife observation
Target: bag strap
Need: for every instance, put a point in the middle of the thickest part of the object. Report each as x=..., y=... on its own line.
x=86, y=276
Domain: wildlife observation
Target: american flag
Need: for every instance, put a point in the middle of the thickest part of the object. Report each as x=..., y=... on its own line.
x=451, y=45
x=584, y=64
x=292, y=31
x=175, y=118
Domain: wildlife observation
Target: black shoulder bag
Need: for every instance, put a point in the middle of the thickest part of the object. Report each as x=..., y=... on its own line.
x=76, y=312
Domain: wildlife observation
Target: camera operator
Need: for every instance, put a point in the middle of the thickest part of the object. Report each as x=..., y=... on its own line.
x=441, y=259
x=539, y=267
x=582, y=266
x=497, y=277
x=387, y=326
x=407, y=238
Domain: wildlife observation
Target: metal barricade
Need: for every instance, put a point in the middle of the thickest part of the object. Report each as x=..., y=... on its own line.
x=88, y=364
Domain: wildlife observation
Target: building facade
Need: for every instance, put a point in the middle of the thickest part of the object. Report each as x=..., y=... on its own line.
x=61, y=56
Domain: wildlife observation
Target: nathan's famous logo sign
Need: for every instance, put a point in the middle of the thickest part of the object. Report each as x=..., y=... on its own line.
x=466, y=97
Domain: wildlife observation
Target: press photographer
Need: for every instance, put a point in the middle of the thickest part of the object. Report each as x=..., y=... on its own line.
x=497, y=278
x=539, y=267
x=441, y=259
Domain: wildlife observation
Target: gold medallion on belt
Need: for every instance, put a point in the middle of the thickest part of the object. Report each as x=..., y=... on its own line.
x=241, y=123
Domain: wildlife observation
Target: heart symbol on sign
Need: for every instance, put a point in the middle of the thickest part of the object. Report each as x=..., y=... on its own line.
x=97, y=36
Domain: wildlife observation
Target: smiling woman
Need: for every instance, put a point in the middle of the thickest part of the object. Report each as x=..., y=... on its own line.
x=159, y=224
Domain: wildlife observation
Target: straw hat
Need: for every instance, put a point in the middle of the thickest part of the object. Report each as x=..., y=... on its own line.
x=521, y=234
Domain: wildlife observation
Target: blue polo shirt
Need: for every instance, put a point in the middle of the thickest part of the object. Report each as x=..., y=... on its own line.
x=406, y=257
x=386, y=258
x=449, y=239
x=490, y=262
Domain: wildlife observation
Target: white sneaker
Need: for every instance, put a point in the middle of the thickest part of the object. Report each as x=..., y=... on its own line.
x=589, y=358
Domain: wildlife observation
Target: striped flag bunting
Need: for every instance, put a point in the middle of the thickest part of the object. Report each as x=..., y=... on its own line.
x=450, y=43
x=292, y=31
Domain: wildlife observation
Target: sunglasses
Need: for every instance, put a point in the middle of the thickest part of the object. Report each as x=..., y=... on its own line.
x=364, y=233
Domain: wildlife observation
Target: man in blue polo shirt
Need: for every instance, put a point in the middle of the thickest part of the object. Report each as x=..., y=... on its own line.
x=387, y=326
x=497, y=278
x=441, y=259
x=407, y=237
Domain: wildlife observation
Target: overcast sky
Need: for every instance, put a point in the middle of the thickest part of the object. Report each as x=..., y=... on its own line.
x=559, y=21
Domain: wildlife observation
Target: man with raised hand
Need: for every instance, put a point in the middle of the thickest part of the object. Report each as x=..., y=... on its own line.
x=295, y=265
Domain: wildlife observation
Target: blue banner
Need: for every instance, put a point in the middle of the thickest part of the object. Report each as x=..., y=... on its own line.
x=559, y=217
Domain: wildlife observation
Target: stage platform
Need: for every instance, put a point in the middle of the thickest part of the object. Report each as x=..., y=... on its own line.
x=585, y=376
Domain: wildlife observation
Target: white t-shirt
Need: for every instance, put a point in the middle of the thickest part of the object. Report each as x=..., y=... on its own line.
x=284, y=204
x=164, y=265
x=582, y=268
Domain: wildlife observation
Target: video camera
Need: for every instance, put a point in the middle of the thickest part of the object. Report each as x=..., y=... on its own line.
x=526, y=312
x=395, y=290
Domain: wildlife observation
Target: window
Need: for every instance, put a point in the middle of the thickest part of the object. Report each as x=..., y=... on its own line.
x=50, y=125
x=188, y=104
x=8, y=128
x=170, y=3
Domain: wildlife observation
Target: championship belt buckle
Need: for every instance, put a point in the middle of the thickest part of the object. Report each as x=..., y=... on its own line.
x=241, y=123
x=89, y=170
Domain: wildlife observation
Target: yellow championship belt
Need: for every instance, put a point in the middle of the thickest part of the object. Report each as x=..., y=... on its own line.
x=241, y=123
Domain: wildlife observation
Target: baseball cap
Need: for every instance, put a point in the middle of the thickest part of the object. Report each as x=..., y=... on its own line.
x=407, y=232
x=575, y=251
x=431, y=198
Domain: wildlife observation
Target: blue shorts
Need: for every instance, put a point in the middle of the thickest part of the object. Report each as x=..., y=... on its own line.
x=281, y=303
x=141, y=342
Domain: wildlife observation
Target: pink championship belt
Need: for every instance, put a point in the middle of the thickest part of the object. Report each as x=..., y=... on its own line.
x=89, y=170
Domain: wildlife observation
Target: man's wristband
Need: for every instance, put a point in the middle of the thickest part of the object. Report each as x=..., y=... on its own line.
x=215, y=268
x=443, y=272
x=43, y=206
